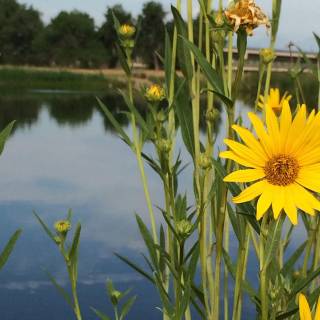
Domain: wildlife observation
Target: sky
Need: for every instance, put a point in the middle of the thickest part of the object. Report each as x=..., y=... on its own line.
x=299, y=17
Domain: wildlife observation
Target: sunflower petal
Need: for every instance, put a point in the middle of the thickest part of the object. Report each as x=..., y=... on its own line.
x=247, y=175
x=264, y=201
x=278, y=201
x=289, y=207
x=317, y=315
x=304, y=309
x=232, y=156
x=251, y=192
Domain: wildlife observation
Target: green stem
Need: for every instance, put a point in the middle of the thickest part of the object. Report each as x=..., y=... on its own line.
x=73, y=281
x=263, y=270
x=311, y=237
x=262, y=71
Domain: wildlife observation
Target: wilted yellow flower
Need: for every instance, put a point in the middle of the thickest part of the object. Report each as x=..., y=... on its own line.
x=62, y=226
x=284, y=159
x=126, y=31
x=267, y=55
x=304, y=309
x=274, y=101
x=155, y=93
x=247, y=14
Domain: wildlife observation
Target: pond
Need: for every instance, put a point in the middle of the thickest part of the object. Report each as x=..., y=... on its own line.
x=64, y=154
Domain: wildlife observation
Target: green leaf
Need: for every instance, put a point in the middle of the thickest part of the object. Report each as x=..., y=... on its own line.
x=45, y=227
x=167, y=59
x=273, y=239
x=211, y=75
x=293, y=259
x=115, y=123
x=4, y=256
x=100, y=315
x=73, y=252
x=148, y=241
x=4, y=134
x=287, y=315
x=183, y=54
x=317, y=39
x=123, y=60
x=304, y=282
x=126, y=307
x=133, y=266
x=184, y=113
x=60, y=289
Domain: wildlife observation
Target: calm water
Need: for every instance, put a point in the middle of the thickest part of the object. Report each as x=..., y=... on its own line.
x=63, y=154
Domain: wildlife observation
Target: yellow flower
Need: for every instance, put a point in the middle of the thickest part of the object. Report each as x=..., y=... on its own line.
x=62, y=226
x=155, y=93
x=304, y=309
x=284, y=157
x=127, y=31
x=247, y=14
x=274, y=101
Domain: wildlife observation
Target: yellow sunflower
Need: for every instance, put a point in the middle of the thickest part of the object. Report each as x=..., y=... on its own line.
x=304, y=309
x=284, y=158
x=274, y=101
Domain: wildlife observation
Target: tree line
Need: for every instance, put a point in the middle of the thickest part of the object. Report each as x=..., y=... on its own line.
x=72, y=38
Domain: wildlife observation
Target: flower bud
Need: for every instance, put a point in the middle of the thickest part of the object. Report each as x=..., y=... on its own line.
x=184, y=228
x=204, y=161
x=266, y=55
x=155, y=93
x=115, y=296
x=62, y=226
x=164, y=145
x=126, y=31
x=211, y=115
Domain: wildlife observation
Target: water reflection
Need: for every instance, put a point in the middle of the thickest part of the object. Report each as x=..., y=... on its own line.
x=62, y=155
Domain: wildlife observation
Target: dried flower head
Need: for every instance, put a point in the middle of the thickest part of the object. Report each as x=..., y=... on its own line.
x=155, y=93
x=246, y=14
x=127, y=31
x=62, y=226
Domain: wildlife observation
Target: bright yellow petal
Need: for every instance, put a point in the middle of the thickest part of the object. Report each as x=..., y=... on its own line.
x=289, y=206
x=261, y=133
x=264, y=201
x=251, y=192
x=304, y=309
x=232, y=156
x=278, y=201
x=273, y=128
x=285, y=124
x=309, y=177
x=250, y=140
x=317, y=315
x=247, y=175
x=302, y=199
x=244, y=152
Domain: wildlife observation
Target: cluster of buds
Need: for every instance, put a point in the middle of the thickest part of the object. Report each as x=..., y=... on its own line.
x=266, y=56
x=126, y=33
x=164, y=145
x=155, y=93
x=184, y=228
x=205, y=161
x=246, y=14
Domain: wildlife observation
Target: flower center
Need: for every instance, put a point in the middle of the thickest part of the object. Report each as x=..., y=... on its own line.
x=281, y=170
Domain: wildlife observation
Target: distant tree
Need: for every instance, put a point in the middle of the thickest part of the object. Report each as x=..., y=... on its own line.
x=71, y=40
x=152, y=33
x=19, y=26
x=108, y=35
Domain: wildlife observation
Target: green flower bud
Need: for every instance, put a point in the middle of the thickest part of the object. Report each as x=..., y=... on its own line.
x=126, y=31
x=62, y=226
x=205, y=162
x=184, y=228
x=155, y=93
x=211, y=115
x=267, y=56
x=115, y=296
x=165, y=145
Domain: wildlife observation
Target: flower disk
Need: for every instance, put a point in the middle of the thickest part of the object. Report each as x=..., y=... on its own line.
x=284, y=159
